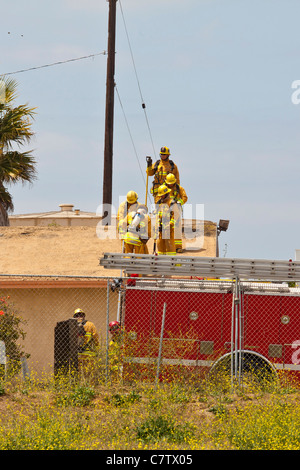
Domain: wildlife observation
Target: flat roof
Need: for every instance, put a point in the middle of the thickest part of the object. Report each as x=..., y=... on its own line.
x=70, y=251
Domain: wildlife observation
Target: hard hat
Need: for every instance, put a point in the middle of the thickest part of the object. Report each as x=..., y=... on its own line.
x=165, y=151
x=132, y=197
x=170, y=179
x=162, y=190
x=78, y=312
x=114, y=325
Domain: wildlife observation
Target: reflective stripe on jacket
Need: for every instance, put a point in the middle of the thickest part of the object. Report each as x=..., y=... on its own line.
x=160, y=170
x=178, y=193
x=166, y=218
x=88, y=343
x=123, y=211
x=134, y=235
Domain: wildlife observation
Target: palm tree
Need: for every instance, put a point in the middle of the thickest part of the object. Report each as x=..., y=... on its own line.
x=15, y=131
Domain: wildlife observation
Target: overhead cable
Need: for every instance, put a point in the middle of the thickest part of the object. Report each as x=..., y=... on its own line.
x=138, y=82
x=119, y=98
x=55, y=63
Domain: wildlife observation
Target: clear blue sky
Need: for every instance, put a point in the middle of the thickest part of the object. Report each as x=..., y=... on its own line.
x=216, y=77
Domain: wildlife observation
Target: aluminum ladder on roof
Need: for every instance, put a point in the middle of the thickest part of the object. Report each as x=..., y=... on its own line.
x=157, y=265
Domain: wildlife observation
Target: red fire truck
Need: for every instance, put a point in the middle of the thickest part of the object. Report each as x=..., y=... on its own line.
x=211, y=312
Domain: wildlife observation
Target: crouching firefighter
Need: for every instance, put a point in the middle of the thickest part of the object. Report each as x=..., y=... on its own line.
x=88, y=343
x=167, y=215
x=138, y=231
x=179, y=195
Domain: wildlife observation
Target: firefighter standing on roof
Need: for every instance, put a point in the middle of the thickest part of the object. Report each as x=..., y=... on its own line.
x=131, y=204
x=160, y=170
x=165, y=224
x=137, y=225
x=179, y=195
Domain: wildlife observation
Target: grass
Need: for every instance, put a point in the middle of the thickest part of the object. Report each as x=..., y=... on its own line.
x=48, y=414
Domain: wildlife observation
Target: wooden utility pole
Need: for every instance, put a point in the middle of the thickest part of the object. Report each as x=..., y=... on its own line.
x=109, y=114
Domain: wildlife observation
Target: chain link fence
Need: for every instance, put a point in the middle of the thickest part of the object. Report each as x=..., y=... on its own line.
x=169, y=328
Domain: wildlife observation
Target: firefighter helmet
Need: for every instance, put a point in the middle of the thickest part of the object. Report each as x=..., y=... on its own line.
x=162, y=190
x=170, y=179
x=114, y=326
x=165, y=151
x=78, y=313
x=131, y=197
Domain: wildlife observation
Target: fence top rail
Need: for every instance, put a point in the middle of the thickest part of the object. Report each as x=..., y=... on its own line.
x=211, y=285
x=201, y=266
x=52, y=276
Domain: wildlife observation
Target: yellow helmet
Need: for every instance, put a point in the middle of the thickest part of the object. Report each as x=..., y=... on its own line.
x=132, y=197
x=170, y=179
x=165, y=151
x=162, y=190
x=78, y=312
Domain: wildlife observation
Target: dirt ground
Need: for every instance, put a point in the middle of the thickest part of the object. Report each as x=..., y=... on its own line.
x=71, y=251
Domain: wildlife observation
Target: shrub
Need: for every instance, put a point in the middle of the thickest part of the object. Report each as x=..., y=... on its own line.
x=163, y=427
x=11, y=332
x=80, y=395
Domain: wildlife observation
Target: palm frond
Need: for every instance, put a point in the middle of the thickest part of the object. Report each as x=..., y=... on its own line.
x=15, y=126
x=10, y=87
x=17, y=166
x=15, y=130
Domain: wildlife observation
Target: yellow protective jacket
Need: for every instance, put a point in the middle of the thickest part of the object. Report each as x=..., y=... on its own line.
x=88, y=340
x=141, y=233
x=166, y=219
x=123, y=210
x=160, y=170
x=178, y=194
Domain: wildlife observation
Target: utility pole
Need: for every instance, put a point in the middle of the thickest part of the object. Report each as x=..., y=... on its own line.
x=109, y=114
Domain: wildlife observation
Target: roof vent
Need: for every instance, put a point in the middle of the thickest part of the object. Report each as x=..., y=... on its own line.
x=66, y=207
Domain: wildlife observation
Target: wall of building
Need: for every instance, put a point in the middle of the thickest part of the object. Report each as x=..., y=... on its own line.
x=41, y=308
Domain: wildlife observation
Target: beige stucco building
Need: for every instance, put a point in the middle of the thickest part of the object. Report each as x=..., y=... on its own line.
x=50, y=267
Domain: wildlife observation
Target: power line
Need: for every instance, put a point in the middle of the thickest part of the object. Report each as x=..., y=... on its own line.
x=120, y=102
x=138, y=82
x=55, y=63
x=143, y=177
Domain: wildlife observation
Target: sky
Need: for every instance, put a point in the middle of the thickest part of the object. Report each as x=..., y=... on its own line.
x=220, y=80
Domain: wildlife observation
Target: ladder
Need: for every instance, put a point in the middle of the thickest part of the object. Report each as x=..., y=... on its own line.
x=161, y=265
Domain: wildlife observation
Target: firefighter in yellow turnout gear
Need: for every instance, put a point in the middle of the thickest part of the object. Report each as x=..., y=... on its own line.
x=131, y=204
x=88, y=343
x=160, y=170
x=115, y=345
x=167, y=216
x=179, y=195
x=137, y=225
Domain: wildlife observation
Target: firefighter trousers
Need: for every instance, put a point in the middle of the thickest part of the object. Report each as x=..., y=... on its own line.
x=166, y=246
x=141, y=249
x=130, y=248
